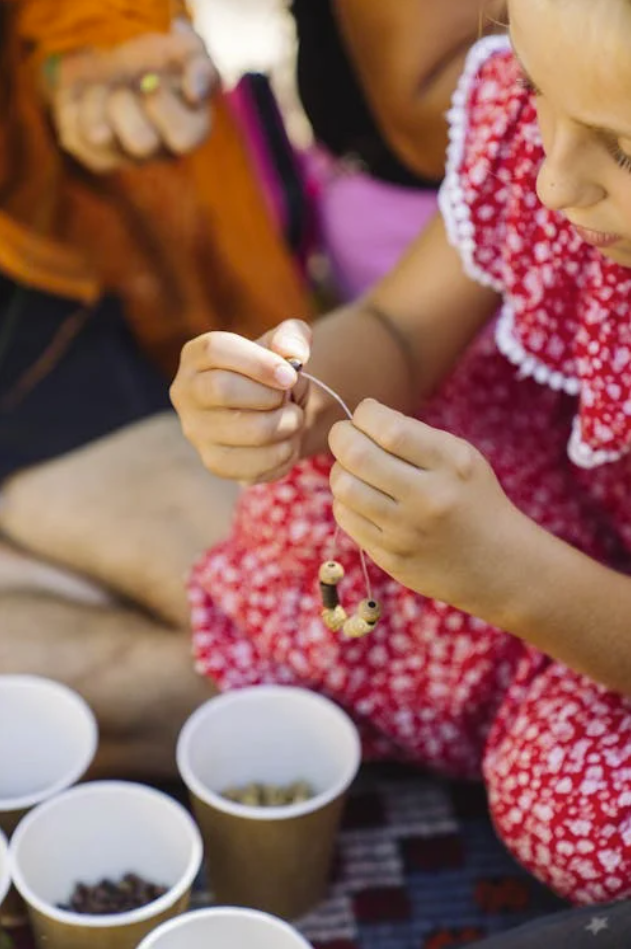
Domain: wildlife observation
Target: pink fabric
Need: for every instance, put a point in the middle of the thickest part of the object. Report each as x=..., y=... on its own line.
x=431, y=684
x=365, y=224
x=362, y=225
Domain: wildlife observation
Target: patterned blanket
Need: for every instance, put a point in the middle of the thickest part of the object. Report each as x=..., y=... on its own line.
x=418, y=867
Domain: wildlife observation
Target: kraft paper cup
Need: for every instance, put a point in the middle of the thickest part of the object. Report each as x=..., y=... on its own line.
x=48, y=738
x=275, y=859
x=225, y=928
x=103, y=829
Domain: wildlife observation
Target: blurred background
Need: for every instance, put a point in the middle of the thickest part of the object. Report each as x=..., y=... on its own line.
x=258, y=35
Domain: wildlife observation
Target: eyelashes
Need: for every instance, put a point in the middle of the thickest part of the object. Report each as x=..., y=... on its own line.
x=525, y=82
x=621, y=158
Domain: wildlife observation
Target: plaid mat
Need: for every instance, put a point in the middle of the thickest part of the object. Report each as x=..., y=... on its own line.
x=419, y=867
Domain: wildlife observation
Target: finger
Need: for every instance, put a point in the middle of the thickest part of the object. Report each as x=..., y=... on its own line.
x=231, y=391
x=234, y=353
x=181, y=26
x=199, y=79
x=66, y=113
x=409, y=439
x=300, y=392
x=186, y=39
x=153, y=52
x=247, y=429
x=248, y=464
x=292, y=339
x=366, y=535
x=355, y=495
x=80, y=69
x=94, y=125
x=277, y=473
x=133, y=130
x=363, y=459
x=180, y=127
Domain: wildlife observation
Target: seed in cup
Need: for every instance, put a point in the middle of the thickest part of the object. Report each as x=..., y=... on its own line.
x=109, y=896
x=270, y=795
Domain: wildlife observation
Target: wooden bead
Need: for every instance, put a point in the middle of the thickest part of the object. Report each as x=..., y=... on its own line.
x=335, y=619
x=330, y=596
x=370, y=611
x=334, y=615
x=331, y=572
x=355, y=627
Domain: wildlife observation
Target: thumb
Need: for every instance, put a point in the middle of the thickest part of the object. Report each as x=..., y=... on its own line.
x=291, y=340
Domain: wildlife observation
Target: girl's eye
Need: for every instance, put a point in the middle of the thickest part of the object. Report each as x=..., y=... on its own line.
x=621, y=158
x=525, y=82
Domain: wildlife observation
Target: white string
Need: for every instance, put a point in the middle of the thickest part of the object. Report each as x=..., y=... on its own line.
x=340, y=401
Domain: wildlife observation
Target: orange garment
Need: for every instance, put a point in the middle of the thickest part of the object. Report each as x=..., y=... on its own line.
x=187, y=243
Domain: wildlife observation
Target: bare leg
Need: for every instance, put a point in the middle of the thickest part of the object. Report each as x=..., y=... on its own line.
x=119, y=520
x=136, y=674
x=21, y=571
x=131, y=511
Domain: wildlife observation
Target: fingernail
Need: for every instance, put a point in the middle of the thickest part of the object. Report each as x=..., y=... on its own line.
x=285, y=375
x=200, y=85
x=200, y=80
x=181, y=25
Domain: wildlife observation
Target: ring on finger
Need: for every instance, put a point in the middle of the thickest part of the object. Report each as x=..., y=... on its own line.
x=149, y=83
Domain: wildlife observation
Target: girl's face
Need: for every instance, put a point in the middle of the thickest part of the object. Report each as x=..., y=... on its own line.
x=575, y=54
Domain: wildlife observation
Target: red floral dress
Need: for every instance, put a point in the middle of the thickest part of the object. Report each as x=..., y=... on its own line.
x=545, y=394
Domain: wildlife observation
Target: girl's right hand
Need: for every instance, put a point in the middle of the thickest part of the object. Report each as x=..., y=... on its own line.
x=241, y=404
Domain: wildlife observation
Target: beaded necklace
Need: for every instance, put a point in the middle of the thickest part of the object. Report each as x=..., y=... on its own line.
x=331, y=572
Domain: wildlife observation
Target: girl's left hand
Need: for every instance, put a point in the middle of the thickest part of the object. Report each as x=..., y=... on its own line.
x=425, y=506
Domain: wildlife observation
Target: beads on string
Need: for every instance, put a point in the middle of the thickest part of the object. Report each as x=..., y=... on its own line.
x=369, y=611
x=335, y=618
x=331, y=572
x=334, y=615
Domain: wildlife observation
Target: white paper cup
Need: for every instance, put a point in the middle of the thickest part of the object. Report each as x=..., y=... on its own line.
x=275, y=859
x=225, y=928
x=5, y=873
x=48, y=738
x=103, y=829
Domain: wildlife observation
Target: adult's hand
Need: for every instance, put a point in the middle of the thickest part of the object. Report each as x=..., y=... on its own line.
x=135, y=101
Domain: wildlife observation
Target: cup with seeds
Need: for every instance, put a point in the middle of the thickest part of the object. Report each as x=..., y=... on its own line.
x=48, y=738
x=103, y=864
x=225, y=927
x=267, y=769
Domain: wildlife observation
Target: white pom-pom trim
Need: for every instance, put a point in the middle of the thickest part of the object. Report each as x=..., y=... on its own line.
x=451, y=200
x=579, y=452
x=585, y=457
x=530, y=367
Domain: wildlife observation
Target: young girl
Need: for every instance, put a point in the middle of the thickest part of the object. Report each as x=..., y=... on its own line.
x=499, y=526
